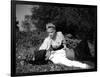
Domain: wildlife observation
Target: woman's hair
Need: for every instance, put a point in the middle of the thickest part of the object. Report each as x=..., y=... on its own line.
x=50, y=25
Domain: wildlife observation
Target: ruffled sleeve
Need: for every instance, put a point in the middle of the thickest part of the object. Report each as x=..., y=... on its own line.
x=45, y=45
x=62, y=38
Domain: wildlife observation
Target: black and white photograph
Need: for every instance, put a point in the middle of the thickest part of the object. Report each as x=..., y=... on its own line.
x=53, y=38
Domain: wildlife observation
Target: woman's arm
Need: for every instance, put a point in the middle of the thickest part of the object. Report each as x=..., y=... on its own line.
x=63, y=41
x=44, y=45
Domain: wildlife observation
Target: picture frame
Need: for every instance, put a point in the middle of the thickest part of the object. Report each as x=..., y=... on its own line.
x=14, y=10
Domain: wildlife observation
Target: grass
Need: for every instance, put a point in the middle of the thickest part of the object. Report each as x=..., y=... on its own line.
x=27, y=44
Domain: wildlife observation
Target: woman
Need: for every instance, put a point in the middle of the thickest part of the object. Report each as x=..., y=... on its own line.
x=55, y=45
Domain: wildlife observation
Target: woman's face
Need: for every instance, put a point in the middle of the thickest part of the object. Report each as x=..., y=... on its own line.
x=51, y=32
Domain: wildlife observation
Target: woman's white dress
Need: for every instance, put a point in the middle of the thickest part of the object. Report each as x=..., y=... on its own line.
x=59, y=56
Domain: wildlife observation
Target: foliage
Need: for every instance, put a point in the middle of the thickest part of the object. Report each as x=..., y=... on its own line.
x=79, y=21
x=27, y=24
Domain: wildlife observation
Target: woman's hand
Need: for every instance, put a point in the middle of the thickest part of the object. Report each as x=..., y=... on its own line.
x=65, y=48
x=48, y=55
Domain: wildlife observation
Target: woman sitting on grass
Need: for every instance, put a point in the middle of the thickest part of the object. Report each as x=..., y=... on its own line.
x=55, y=46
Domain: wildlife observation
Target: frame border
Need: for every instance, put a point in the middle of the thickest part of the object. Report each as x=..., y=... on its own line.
x=13, y=38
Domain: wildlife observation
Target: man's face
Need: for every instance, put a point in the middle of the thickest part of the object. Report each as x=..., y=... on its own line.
x=51, y=32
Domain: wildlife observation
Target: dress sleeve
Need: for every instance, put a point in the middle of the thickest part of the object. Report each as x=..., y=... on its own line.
x=44, y=45
x=62, y=38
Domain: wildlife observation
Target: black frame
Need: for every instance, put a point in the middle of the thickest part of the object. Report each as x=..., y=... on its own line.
x=13, y=39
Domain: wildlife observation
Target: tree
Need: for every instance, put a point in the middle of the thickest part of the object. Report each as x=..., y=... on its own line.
x=27, y=24
x=75, y=20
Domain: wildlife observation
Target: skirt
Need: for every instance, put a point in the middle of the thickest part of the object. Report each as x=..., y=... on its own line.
x=62, y=53
x=57, y=54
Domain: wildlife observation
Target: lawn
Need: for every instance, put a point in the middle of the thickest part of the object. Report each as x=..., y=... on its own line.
x=27, y=44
